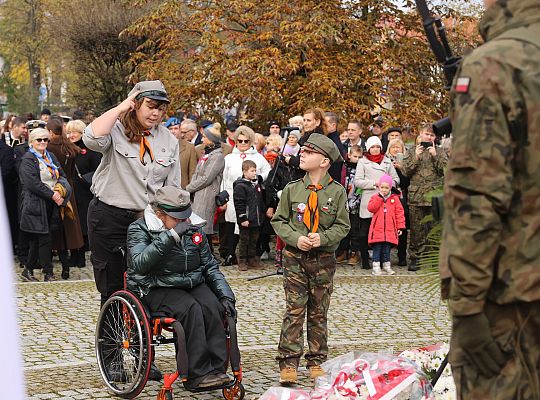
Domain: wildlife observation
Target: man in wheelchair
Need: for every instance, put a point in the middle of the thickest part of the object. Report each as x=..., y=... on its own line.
x=171, y=268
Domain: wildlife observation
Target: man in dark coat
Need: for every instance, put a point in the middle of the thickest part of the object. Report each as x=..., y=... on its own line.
x=10, y=184
x=336, y=169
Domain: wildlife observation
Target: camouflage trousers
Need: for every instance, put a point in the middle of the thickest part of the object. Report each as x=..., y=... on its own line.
x=419, y=231
x=516, y=328
x=308, y=283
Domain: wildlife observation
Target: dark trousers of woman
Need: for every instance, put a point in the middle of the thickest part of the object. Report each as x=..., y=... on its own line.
x=231, y=238
x=201, y=314
x=363, y=236
x=39, y=252
x=402, y=247
x=107, y=234
x=351, y=242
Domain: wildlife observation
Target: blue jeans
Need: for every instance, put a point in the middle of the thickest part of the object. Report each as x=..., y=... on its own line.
x=381, y=252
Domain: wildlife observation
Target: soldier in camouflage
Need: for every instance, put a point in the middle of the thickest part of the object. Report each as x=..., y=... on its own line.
x=490, y=255
x=311, y=218
x=424, y=165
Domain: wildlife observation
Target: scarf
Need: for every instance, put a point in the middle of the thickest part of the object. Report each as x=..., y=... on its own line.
x=376, y=159
x=311, y=215
x=212, y=147
x=66, y=211
x=145, y=148
x=46, y=159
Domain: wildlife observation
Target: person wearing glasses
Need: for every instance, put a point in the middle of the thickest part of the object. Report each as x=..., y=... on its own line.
x=42, y=181
x=188, y=154
x=139, y=157
x=243, y=150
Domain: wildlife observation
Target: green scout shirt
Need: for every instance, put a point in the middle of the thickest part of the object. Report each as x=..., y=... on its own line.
x=333, y=217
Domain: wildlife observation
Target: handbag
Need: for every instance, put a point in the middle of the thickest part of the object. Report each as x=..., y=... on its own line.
x=86, y=178
x=222, y=198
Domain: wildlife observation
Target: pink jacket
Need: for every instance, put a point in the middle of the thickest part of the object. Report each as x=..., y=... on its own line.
x=388, y=218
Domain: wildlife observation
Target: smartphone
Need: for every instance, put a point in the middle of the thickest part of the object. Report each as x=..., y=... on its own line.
x=426, y=145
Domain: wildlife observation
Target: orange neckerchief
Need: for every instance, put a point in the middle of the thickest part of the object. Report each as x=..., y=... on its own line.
x=54, y=173
x=312, y=209
x=145, y=148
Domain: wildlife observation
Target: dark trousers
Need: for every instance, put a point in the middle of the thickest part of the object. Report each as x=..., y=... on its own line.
x=263, y=242
x=231, y=238
x=39, y=252
x=351, y=242
x=381, y=252
x=107, y=233
x=201, y=314
x=363, y=236
x=247, y=246
x=402, y=245
x=23, y=246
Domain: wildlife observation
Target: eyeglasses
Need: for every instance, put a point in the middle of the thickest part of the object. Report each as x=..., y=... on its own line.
x=44, y=140
x=243, y=141
x=184, y=132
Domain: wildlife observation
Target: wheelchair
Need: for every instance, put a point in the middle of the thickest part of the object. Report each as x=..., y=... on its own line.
x=126, y=334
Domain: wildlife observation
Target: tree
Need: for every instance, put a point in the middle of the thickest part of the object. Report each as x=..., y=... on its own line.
x=275, y=58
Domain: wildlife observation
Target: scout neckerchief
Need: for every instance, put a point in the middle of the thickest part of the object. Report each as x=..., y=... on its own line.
x=311, y=216
x=46, y=160
x=145, y=148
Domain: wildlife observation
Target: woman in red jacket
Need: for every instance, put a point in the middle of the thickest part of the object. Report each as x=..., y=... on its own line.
x=386, y=226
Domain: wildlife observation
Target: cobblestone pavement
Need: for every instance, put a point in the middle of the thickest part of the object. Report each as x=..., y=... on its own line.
x=57, y=320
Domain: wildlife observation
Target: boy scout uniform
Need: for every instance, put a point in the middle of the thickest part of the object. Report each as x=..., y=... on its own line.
x=490, y=256
x=308, y=275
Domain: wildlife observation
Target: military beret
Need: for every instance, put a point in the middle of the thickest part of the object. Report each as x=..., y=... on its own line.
x=321, y=144
x=34, y=124
x=151, y=89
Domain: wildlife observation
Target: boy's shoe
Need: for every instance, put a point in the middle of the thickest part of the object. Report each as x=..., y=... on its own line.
x=354, y=259
x=342, y=257
x=28, y=275
x=315, y=371
x=376, y=269
x=388, y=268
x=288, y=376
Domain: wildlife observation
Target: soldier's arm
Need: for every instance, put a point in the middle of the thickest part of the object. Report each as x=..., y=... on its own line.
x=440, y=161
x=479, y=180
x=281, y=221
x=410, y=163
x=341, y=225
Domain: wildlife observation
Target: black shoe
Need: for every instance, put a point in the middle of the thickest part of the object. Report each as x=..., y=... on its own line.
x=117, y=373
x=155, y=374
x=223, y=377
x=365, y=265
x=28, y=275
x=230, y=260
x=65, y=273
x=413, y=267
x=49, y=277
x=402, y=263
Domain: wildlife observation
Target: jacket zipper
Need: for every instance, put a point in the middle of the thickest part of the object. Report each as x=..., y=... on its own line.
x=384, y=223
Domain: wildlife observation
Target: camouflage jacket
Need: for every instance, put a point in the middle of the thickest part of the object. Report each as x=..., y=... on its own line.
x=491, y=236
x=426, y=173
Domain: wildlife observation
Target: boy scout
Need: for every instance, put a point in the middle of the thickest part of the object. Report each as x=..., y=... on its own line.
x=311, y=218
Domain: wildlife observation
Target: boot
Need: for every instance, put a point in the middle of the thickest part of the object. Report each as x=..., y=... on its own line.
x=28, y=275
x=412, y=266
x=65, y=272
x=315, y=371
x=354, y=258
x=288, y=376
x=253, y=263
x=243, y=265
x=342, y=257
x=376, y=268
x=387, y=267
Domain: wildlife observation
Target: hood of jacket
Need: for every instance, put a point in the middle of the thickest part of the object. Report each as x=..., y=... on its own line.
x=508, y=14
x=251, y=150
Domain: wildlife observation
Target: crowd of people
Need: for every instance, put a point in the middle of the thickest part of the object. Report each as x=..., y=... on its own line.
x=48, y=171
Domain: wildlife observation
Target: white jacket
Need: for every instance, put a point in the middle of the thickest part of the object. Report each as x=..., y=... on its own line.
x=233, y=171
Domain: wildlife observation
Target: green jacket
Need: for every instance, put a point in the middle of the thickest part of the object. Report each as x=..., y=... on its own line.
x=333, y=216
x=156, y=260
x=490, y=242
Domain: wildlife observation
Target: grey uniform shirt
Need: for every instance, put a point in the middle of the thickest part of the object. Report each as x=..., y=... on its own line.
x=121, y=180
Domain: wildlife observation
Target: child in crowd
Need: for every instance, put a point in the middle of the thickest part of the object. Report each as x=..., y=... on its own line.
x=249, y=206
x=311, y=219
x=273, y=146
x=386, y=225
x=350, y=244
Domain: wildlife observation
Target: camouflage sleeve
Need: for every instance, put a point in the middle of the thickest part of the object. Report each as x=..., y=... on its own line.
x=410, y=163
x=281, y=221
x=341, y=225
x=478, y=184
x=440, y=161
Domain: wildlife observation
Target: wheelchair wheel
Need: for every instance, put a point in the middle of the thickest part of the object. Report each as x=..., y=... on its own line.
x=236, y=392
x=124, y=344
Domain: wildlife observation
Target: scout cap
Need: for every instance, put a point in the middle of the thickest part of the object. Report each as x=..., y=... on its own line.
x=152, y=89
x=34, y=124
x=321, y=144
x=173, y=201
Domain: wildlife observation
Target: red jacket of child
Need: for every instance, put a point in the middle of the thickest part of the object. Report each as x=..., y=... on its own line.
x=388, y=217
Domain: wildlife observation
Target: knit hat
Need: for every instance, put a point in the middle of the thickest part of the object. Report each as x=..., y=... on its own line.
x=373, y=141
x=386, y=179
x=213, y=132
x=295, y=133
